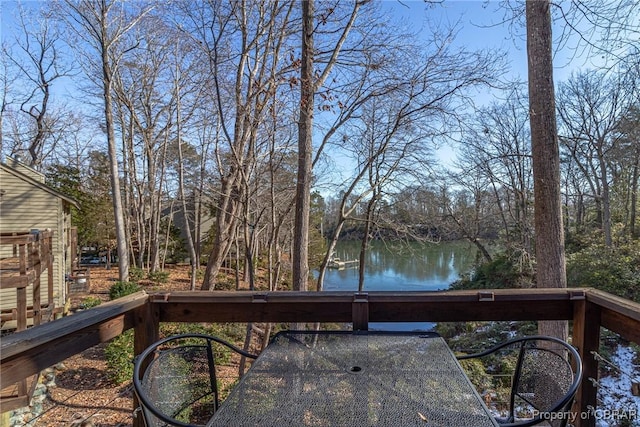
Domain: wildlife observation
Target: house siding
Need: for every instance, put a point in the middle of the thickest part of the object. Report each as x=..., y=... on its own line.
x=25, y=170
x=24, y=207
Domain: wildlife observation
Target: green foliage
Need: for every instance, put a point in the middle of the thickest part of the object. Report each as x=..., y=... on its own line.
x=90, y=302
x=505, y=271
x=121, y=289
x=492, y=375
x=232, y=332
x=97, y=213
x=614, y=269
x=65, y=179
x=472, y=337
x=611, y=269
x=225, y=282
x=136, y=274
x=476, y=371
x=158, y=276
x=91, y=187
x=456, y=329
x=119, y=357
x=119, y=351
x=176, y=250
x=199, y=274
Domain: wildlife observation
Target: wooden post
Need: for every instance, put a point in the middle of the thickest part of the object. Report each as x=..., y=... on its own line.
x=21, y=291
x=360, y=311
x=146, y=332
x=36, y=262
x=586, y=338
x=49, y=260
x=37, y=303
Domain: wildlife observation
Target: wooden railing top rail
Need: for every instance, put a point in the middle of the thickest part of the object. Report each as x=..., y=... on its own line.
x=617, y=314
x=612, y=302
x=361, y=308
x=465, y=295
x=28, y=352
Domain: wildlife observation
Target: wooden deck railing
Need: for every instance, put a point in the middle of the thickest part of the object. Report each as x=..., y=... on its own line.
x=30, y=351
x=25, y=256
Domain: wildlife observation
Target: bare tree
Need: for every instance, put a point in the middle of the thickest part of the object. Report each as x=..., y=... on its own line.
x=387, y=126
x=101, y=25
x=145, y=100
x=591, y=106
x=497, y=146
x=629, y=127
x=243, y=45
x=4, y=104
x=40, y=64
x=178, y=88
x=469, y=206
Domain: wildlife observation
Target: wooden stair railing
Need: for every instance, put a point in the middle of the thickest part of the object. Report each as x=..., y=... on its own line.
x=30, y=257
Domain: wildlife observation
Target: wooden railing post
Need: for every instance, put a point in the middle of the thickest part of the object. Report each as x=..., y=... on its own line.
x=586, y=338
x=146, y=332
x=50, y=291
x=360, y=311
x=21, y=291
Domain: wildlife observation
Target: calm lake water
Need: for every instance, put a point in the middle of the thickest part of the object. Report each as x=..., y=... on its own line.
x=402, y=267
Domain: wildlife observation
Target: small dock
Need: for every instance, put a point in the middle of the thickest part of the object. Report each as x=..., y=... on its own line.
x=339, y=264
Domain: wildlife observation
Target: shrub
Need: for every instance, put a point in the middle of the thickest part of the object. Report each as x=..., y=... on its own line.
x=476, y=371
x=119, y=352
x=199, y=274
x=121, y=289
x=612, y=269
x=136, y=274
x=90, y=302
x=119, y=358
x=225, y=283
x=158, y=276
x=505, y=271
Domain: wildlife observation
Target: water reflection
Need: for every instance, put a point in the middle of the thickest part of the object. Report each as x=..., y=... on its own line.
x=402, y=267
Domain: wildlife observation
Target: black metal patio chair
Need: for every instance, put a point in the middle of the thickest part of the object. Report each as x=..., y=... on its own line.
x=545, y=375
x=176, y=380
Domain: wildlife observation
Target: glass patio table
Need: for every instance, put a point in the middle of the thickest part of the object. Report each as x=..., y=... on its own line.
x=354, y=379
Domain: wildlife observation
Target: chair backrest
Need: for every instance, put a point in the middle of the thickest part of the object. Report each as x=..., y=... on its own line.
x=545, y=377
x=176, y=382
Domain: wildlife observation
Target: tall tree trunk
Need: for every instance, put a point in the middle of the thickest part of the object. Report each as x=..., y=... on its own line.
x=121, y=233
x=550, y=257
x=185, y=211
x=305, y=130
x=634, y=197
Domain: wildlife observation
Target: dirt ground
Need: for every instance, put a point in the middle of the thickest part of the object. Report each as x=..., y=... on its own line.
x=83, y=395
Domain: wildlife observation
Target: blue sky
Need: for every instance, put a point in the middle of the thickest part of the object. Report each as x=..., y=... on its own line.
x=479, y=24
